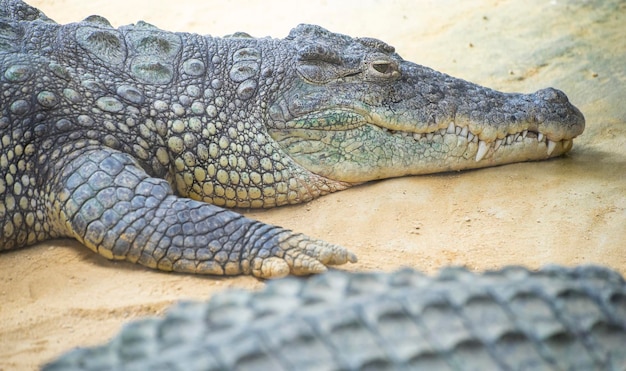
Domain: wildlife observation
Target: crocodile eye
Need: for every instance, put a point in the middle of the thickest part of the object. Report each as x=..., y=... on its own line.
x=382, y=67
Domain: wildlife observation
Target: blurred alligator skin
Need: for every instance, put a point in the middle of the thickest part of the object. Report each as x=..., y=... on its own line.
x=556, y=318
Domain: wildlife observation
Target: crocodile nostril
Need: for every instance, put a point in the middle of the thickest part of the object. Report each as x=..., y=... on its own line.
x=552, y=95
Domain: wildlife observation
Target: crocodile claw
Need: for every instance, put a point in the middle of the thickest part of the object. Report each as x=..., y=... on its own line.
x=301, y=256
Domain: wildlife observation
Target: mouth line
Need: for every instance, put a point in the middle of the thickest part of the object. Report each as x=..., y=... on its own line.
x=463, y=133
x=351, y=118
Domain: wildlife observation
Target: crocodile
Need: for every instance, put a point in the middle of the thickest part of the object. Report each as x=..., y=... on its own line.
x=137, y=142
x=556, y=318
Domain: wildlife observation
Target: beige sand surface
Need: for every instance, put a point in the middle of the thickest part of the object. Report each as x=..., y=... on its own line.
x=571, y=210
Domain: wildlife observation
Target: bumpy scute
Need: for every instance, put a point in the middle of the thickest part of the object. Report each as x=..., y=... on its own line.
x=98, y=127
x=556, y=318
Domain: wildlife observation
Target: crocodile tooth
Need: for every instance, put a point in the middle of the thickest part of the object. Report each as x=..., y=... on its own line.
x=539, y=137
x=509, y=139
x=450, y=129
x=498, y=143
x=430, y=136
x=464, y=132
x=551, y=146
x=470, y=137
x=417, y=136
x=457, y=130
x=524, y=134
x=567, y=145
x=482, y=150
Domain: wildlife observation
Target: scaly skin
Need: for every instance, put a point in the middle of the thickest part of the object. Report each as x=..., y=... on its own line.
x=132, y=140
x=514, y=319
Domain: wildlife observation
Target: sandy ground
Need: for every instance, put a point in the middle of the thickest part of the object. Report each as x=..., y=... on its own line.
x=571, y=210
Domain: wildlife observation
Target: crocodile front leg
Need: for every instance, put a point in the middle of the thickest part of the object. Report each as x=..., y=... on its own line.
x=107, y=201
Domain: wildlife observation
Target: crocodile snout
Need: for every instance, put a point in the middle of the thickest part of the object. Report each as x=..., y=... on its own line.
x=559, y=119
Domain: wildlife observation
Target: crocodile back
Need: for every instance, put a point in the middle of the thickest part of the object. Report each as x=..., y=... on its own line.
x=557, y=318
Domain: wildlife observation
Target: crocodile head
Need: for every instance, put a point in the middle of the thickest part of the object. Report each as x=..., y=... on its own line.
x=354, y=110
